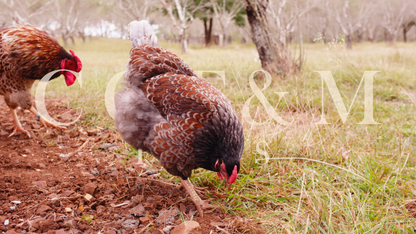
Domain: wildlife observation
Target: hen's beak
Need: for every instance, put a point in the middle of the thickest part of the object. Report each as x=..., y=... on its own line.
x=223, y=176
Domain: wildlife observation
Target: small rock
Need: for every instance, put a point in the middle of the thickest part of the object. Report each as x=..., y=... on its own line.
x=3, y=133
x=6, y=222
x=92, y=132
x=137, y=199
x=115, y=173
x=61, y=231
x=90, y=188
x=144, y=220
x=110, y=232
x=150, y=171
x=35, y=126
x=167, y=229
x=41, y=184
x=11, y=232
x=42, y=209
x=112, y=225
x=187, y=227
x=95, y=172
x=13, y=198
x=138, y=211
x=66, y=117
x=167, y=216
x=88, y=196
x=107, y=146
x=17, y=202
x=67, y=193
x=130, y=223
x=27, y=151
x=100, y=209
x=73, y=134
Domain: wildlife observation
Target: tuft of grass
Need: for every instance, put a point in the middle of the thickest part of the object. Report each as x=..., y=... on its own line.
x=301, y=177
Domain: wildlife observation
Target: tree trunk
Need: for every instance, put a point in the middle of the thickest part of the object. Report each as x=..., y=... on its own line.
x=82, y=35
x=65, y=39
x=348, y=41
x=72, y=40
x=221, y=40
x=208, y=31
x=274, y=57
x=405, y=34
x=184, y=44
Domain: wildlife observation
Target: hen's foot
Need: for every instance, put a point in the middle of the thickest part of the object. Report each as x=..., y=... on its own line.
x=43, y=120
x=17, y=126
x=199, y=203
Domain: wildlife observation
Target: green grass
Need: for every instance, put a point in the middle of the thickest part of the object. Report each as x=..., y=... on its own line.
x=335, y=178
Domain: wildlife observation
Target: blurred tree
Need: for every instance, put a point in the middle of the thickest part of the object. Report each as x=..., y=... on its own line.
x=394, y=15
x=275, y=57
x=182, y=13
x=226, y=11
x=286, y=16
x=352, y=16
x=205, y=14
x=23, y=11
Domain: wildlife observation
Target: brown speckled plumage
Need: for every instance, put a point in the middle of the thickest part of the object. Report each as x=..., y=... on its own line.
x=175, y=115
x=27, y=54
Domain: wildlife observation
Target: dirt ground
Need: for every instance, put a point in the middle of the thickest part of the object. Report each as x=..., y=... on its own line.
x=74, y=181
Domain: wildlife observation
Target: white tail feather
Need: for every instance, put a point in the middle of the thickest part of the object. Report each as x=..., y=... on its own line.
x=141, y=33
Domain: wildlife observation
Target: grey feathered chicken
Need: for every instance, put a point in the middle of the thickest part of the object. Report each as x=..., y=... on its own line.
x=180, y=118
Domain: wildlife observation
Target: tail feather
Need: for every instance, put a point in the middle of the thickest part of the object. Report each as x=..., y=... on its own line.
x=141, y=33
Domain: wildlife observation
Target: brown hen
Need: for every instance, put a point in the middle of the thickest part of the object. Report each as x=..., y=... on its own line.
x=175, y=115
x=27, y=54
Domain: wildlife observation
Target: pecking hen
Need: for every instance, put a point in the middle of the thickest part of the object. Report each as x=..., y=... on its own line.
x=27, y=54
x=178, y=117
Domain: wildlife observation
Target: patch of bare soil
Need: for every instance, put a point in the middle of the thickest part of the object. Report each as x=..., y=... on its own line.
x=74, y=181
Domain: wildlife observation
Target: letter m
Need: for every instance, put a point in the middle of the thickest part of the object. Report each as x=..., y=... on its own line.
x=368, y=79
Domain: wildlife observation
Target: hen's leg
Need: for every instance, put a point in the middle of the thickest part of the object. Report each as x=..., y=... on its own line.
x=43, y=120
x=200, y=205
x=17, y=126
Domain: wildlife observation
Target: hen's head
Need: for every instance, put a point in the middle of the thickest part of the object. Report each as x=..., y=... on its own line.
x=227, y=171
x=73, y=65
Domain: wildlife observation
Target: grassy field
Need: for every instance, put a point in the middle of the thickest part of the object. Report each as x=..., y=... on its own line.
x=302, y=177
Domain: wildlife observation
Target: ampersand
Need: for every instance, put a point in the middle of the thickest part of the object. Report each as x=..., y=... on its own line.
x=263, y=100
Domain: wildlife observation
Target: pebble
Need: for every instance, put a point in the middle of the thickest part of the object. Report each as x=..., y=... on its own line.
x=167, y=216
x=130, y=223
x=6, y=222
x=16, y=202
x=107, y=146
x=138, y=211
x=187, y=227
x=167, y=229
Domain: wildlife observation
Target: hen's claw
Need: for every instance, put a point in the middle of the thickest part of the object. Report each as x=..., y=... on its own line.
x=43, y=120
x=19, y=129
x=17, y=126
x=200, y=204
